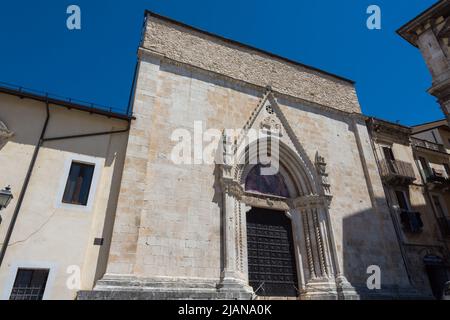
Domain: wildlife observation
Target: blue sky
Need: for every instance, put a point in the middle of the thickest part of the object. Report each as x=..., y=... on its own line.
x=96, y=63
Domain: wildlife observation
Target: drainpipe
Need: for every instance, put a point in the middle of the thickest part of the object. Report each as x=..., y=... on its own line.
x=25, y=185
x=84, y=135
x=31, y=167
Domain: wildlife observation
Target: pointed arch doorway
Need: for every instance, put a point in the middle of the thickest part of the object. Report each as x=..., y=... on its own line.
x=253, y=205
x=271, y=260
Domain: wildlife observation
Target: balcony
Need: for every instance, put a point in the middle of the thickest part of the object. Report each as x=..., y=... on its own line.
x=397, y=172
x=444, y=225
x=428, y=145
x=437, y=179
x=411, y=221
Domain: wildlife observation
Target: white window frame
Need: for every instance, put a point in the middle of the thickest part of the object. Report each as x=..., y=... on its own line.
x=9, y=283
x=98, y=165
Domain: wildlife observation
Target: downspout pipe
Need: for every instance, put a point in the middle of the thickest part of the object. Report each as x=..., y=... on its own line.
x=42, y=139
x=25, y=185
x=84, y=135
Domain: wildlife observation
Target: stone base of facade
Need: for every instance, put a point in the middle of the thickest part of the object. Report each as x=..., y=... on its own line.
x=320, y=289
x=133, y=288
x=391, y=293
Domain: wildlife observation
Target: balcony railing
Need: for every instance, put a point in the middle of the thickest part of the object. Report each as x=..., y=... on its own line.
x=444, y=225
x=428, y=145
x=397, y=172
x=412, y=221
x=437, y=179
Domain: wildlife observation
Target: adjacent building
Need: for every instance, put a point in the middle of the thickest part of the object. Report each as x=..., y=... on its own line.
x=64, y=164
x=416, y=188
x=430, y=32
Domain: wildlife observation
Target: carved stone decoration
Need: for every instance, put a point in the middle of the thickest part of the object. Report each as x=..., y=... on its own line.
x=307, y=202
x=271, y=126
x=444, y=33
x=5, y=133
x=306, y=232
x=321, y=167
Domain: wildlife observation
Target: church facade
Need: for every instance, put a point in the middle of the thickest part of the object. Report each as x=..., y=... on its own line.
x=196, y=229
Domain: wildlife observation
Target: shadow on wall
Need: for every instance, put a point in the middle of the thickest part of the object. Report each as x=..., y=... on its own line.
x=119, y=161
x=426, y=252
x=369, y=239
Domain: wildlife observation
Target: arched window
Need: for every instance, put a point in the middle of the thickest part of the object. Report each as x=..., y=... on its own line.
x=271, y=185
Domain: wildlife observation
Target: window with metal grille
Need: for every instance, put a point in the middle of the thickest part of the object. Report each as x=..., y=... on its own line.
x=29, y=284
x=78, y=183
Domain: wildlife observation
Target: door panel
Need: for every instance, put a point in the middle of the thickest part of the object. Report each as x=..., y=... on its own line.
x=271, y=260
x=437, y=275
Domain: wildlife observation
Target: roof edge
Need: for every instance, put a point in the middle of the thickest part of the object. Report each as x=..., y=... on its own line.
x=246, y=46
x=43, y=98
x=426, y=123
x=402, y=31
x=390, y=123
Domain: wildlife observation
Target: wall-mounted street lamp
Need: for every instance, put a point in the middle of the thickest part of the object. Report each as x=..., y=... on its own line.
x=5, y=198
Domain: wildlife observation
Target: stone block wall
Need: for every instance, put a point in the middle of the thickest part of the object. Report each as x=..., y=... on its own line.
x=169, y=217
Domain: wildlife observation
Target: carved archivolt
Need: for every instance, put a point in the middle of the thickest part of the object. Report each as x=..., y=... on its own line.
x=310, y=180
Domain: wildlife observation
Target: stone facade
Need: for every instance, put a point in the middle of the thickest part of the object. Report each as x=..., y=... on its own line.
x=180, y=229
x=236, y=61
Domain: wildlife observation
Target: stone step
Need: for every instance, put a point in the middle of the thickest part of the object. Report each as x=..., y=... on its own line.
x=275, y=298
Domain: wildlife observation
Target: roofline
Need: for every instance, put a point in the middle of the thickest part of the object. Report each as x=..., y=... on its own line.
x=246, y=46
x=68, y=104
x=430, y=122
x=413, y=21
x=370, y=118
x=445, y=125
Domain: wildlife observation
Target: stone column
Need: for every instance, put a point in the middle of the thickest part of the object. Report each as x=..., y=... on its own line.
x=322, y=279
x=299, y=249
x=233, y=279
